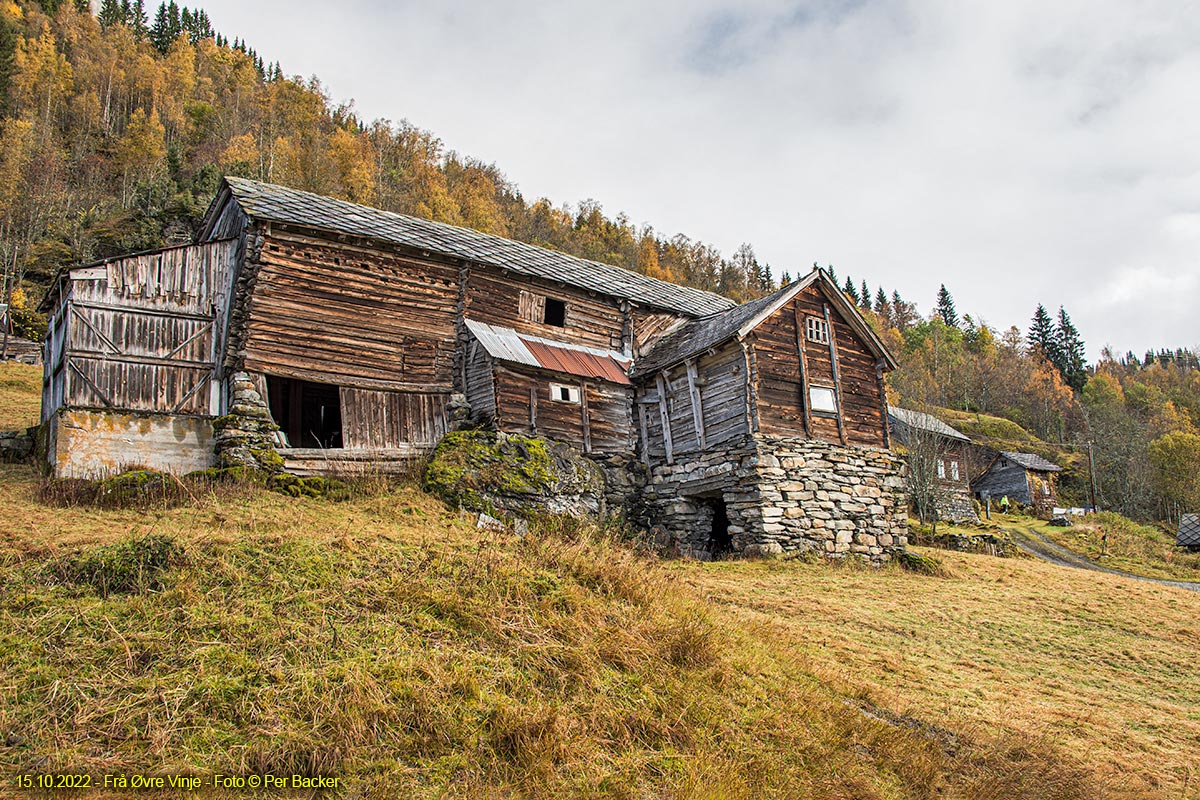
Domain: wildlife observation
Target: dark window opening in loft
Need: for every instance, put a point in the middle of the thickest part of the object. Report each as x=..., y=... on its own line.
x=556, y=313
x=308, y=414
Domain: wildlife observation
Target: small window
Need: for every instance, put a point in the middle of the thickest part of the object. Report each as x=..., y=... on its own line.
x=556, y=313
x=1046, y=489
x=954, y=470
x=822, y=399
x=941, y=469
x=561, y=393
x=817, y=330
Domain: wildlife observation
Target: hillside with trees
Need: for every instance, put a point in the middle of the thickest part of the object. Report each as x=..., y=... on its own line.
x=117, y=123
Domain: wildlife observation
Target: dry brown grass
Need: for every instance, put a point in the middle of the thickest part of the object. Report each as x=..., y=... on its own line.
x=20, y=395
x=1098, y=666
x=1140, y=549
x=387, y=641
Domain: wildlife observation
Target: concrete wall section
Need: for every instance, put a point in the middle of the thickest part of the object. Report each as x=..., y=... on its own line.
x=96, y=444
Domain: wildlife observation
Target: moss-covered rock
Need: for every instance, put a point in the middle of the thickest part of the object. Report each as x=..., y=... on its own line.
x=296, y=486
x=507, y=474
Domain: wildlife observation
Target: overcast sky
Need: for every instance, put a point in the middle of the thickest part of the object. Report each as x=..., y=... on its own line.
x=1019, y=151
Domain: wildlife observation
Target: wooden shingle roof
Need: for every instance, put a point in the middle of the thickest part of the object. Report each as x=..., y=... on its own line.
x=263, y=201
x=925, y=422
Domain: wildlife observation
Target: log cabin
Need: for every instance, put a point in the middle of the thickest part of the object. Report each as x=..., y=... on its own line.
x=335, y=336
x=946, y=450
x=1023, y=478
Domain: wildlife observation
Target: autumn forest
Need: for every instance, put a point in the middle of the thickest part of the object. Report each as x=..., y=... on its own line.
x=117, y=123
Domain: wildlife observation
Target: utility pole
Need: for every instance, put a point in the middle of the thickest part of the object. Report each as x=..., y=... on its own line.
x=1092, y=474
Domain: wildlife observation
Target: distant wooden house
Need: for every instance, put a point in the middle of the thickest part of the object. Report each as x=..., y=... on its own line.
x=947, y=452
x=1189, y=532
x=338, y=336
x=1021, y=477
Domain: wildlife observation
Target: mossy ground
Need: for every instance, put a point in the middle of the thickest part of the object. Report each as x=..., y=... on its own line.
x=386, y=640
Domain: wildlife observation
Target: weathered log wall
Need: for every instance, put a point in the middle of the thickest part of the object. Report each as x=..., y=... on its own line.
x=338, y=313
x=780, y=382
x=517, y=302
x=600, y=422
x=380, y=419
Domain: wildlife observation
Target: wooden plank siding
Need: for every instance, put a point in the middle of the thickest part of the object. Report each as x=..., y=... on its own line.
x=591, y=320
x=719, y=379
x=605, y=408
x=332, y=312
x=781, y=386
x=382, y=419
x=142, y=333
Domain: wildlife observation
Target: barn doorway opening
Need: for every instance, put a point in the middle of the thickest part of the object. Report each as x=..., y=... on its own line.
x=308, y=414
x=720, y=542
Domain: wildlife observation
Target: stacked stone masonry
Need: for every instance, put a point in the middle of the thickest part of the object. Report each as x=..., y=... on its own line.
x=783, y=495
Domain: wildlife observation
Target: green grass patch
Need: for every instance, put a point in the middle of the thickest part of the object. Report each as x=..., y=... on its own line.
x=1118, y=542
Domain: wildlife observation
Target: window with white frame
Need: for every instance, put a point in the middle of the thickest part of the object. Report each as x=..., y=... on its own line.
x=941, y=469
x=563, y=393
x=817, y=330
x=954, y=470
x=822, y=399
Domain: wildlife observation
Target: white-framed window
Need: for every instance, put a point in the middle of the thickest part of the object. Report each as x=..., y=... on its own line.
x=954, y=470
x=817, y=330
x=564, y=393
x=941, y=469
x=822, y=398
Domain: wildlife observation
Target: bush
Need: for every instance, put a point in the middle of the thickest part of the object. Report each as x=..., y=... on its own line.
x=134, y=566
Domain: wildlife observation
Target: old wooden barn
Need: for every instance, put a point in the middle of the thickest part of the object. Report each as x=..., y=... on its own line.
x=338, y=335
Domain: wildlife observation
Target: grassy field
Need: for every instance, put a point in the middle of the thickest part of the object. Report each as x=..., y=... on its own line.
x=1140, y=549
x=1101, y=667
x=387, y=641
x=20, y=395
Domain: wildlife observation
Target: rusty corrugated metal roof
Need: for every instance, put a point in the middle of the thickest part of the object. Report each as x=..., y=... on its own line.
x=505, y=344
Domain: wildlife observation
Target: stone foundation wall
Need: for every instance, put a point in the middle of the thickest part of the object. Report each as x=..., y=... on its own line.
x=957, y=506
x=783, y=496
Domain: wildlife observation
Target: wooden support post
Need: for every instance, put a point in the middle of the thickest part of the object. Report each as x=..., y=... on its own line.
x=837, y=378
x=697, y=402
x=661, y=383
x=533, y=410
x=751, y=382
x=805, y=401
x=645, y=434
x=883, y=405
x=587, y=427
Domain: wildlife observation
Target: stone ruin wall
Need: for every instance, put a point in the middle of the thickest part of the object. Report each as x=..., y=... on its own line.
x=782, y=496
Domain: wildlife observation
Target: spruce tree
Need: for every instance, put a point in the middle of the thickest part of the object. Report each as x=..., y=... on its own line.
x=138, y=20
x=945, y=307
x=111, y=14
x=864, y=297
x=881, y=302
x=1041, y=335
x=1071, y=351
x=850, y=291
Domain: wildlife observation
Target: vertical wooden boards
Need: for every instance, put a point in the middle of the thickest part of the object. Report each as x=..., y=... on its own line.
x=695, y=401
x=645, y=440
x=533, y=403
x=802, y=360
x=661, y=383
x=837, y=380
x=601, y=422
x=887, y=432
x=382, y=419
x=583, y=413
x=141, y=333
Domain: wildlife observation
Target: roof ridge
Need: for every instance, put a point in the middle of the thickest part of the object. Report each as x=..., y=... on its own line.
x=284, y=204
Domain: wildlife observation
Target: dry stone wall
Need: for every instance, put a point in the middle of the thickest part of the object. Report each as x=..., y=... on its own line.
x=783, y=495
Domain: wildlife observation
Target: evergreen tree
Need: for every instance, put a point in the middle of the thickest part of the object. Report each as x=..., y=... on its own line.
x=945, y=307
x=1041, y=336
x=138, y=20
x=111, y=14
x=864, y=297
x=1072, y=354
x=832, y=274
x=850, y=291
x=881, y=302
